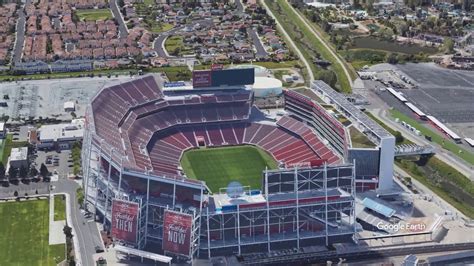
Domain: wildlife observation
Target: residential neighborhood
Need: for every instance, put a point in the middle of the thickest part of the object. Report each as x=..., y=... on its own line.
x=7, y=31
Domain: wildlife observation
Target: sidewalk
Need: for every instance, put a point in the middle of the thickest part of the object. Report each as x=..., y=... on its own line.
x=441, y=153
x=56, y=234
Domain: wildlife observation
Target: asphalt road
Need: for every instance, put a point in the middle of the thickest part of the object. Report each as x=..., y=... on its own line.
x=257, y=43
x=159, y=43
x=123, y=30
x=291, y=42
x=323, y=41
x=20, y=34
x=252, y=33
x=87, y=234
x=159, y=46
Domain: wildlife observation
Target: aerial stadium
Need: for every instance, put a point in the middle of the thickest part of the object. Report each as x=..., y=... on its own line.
x=199, y=171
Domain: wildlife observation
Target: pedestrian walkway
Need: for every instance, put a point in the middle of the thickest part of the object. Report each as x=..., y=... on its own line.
x=56, y=234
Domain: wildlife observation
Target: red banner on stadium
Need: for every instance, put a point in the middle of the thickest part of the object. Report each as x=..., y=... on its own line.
x=125, y=220
x=217, y=67
x=177, y=232
x=202, y=78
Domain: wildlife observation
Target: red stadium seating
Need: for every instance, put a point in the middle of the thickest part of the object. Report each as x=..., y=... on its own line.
x=154, y=131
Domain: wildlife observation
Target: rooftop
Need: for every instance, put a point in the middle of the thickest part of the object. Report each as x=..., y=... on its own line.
x=343, y=103
x=19, y=154
x=69, y=131
x=378, y=207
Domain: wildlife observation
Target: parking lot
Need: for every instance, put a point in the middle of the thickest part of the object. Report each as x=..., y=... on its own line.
x=45, y=98
x=444, y=93
x=57, y=162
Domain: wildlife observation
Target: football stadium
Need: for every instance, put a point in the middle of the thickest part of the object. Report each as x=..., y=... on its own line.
x=199, y=171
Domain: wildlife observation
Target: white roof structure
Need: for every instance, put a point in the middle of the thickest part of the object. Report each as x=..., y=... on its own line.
x=415, y=109
x=266, y=83
x=69, y=105
x=143, y=254
x=470, y=141
x=19, y=154
x=223, y=199
x=2, y=126
x=62, y=132
x=397, y=94
x=443, y=127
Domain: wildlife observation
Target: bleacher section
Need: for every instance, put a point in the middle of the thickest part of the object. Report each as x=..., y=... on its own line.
x=286, y=146
x=153, y=130
x=318, y=118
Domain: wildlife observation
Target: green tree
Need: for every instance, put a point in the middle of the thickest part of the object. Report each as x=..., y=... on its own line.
x=67, y=231
x=391, y=58
x=13, y=172
x=329, y=77
x=44, y=170
x=33, y=171
x=398, y=137
x=448, y=45
x=2, y=171
x=23, y=173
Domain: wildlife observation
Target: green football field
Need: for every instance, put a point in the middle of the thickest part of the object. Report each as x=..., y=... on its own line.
x=220, y=166
x=24, y=234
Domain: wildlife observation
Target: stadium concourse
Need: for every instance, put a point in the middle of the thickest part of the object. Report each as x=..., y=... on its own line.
x=137, y=133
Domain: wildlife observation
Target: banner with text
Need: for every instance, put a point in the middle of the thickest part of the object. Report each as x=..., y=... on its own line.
x=177, y=232
x=202, y=78
x=125, y=220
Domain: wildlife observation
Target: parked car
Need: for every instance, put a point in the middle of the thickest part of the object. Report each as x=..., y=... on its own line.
x=98, y=249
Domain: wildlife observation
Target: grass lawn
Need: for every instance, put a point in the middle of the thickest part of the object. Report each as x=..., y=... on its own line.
x=149, y=2
x=59, y=208
x=161, y=27
x=24, y=234
x=288, y=12
x=437, y=187
x=440, y=172
x=268, y=65
x=359, y=58
x=293, y=25
x=444, y=141
x=7, y=146
x=282, y=64
x=359, y=140
x=176, y=73
x=94, y=14
x=174, y=45
x=173, y=73
x=2, y=149
x=220, y=166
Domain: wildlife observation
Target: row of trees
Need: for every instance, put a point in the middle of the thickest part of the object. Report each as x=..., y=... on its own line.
x=76, y=157
x=23, y=172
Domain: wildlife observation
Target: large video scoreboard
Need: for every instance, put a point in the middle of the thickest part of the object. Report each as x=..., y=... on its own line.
x=225, y=77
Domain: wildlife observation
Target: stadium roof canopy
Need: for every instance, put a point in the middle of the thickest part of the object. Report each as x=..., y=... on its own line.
x=143, y=254
x=343, y=103
x=378, y=207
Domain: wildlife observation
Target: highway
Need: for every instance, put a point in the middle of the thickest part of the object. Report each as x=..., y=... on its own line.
x=123, y=30
x=87, y=233
x=20, y=34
